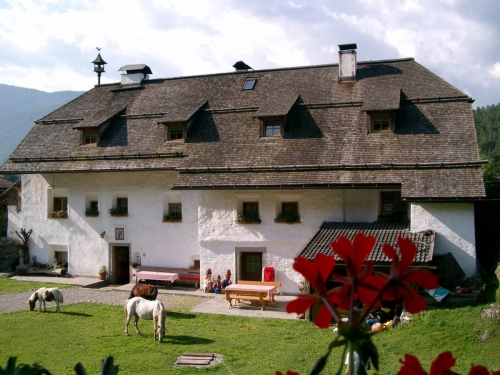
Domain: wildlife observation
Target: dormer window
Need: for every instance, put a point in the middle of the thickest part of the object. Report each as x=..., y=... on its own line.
x=381, y=122
x=249, y=83
x=90, y=136
x=175, y=132
x=272, y=127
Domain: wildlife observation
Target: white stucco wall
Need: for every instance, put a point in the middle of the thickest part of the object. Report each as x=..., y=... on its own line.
x=208, y=230
x=454, y=226
x=220, y=235
x=160, y=244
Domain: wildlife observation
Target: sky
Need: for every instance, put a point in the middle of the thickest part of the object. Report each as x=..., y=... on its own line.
x=49, y=45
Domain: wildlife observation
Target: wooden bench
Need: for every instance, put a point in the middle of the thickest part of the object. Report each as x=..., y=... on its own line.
x=269, y=283
x=185, y=274
x=246, y=295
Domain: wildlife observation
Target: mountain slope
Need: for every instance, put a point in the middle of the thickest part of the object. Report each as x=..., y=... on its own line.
x=20, y=107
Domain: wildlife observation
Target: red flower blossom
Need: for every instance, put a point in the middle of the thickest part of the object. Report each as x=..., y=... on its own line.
x=317, y=273
x=366, y=286
x=401, y=276
x=440, y=366
x=481, y=370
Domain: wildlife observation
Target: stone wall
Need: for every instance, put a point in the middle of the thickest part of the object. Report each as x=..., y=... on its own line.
x=9, y=257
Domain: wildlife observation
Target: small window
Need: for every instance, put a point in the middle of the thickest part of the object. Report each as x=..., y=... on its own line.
x=392, y=207
x=289, y=213
x=121, y=209
x=290, y=208
x=176, y=132
x=272, y=128
x=94, y=206
x=174, y=213
x=90, y=136
x=250, y=208
x=122, y=203
x=59, y=207
x=60, y=204
x=61, y=258
x=249, y=83
x=381, y=122
x=250, y=214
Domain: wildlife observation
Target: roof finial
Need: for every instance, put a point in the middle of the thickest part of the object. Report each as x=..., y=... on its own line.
x=99, y=66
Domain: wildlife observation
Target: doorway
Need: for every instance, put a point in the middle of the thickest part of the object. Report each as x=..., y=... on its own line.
x=121, y=264
x=251, y=266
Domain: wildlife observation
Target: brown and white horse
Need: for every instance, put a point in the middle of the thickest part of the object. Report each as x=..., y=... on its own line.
x=139, y=307
x=146, y=291
x=45, y=295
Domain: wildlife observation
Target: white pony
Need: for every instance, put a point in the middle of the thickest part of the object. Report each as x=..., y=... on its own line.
x=45, y=294
x=139, y=307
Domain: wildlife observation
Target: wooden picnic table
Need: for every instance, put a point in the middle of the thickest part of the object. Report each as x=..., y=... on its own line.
x=167, y=277
x=248, y=292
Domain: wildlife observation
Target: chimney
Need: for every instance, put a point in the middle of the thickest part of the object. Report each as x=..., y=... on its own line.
x=347, y=62
x=134, y=74
x=240, y=65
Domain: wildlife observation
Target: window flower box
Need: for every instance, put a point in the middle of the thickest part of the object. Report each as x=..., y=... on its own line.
x=58, y=215
x=118, y=212
x=172, y=218
x=287, y=219
x=91, y=213
x=248, y=219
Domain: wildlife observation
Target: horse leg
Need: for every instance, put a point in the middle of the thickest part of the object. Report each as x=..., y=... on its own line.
x=136, y=319
x=57, y=306
x=155, y=327
x=127, y=320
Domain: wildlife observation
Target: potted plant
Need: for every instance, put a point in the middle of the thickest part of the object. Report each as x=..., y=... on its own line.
x=103, y=272
x=135, y=266
x=91, y=212
x=287, y=218
x=118, y=212
x=58, y=214
x=174, y=217
x=248, y=219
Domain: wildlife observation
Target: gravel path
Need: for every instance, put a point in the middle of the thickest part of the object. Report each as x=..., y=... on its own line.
x=19, y=301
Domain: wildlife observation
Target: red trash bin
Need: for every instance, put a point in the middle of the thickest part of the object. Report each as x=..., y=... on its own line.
x=268, y=274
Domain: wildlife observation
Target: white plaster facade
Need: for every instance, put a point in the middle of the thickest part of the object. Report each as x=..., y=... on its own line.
x=208, y=230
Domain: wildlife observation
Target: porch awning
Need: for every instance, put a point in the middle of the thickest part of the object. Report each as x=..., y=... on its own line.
x=385, y=233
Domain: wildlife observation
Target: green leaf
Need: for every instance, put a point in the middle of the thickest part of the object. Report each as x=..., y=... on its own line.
x=108, y=368
x=320, y=364
x=80, y=370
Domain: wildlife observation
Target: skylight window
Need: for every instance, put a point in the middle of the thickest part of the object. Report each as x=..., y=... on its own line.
x=249, y=83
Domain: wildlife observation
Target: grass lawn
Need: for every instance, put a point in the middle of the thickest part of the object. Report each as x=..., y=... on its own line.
x=13, y=286
x=89, y=332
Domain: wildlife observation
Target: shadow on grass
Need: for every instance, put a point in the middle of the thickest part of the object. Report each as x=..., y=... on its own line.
x=187, y=340
x=178, y=315
x=75, y=314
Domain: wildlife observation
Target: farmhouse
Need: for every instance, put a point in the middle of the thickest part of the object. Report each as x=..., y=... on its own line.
x=251, y=168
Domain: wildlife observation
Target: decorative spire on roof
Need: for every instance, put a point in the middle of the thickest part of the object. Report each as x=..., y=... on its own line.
x=99, y=66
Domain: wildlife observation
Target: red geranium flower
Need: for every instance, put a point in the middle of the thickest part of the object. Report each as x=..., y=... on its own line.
x=400, y=277
x=441, y=366
x=481, y=370
x=317, y=273
x=366, y=286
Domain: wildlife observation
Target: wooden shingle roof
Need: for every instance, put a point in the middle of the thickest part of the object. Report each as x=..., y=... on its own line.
x=384, y=233
x=432, y=153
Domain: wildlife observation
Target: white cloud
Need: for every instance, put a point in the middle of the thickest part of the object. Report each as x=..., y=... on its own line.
x=43, y=40
x=494, y=71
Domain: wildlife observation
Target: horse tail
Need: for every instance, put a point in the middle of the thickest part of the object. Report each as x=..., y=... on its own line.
x=132, y=293
x=60, y=295
x=155, y=293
